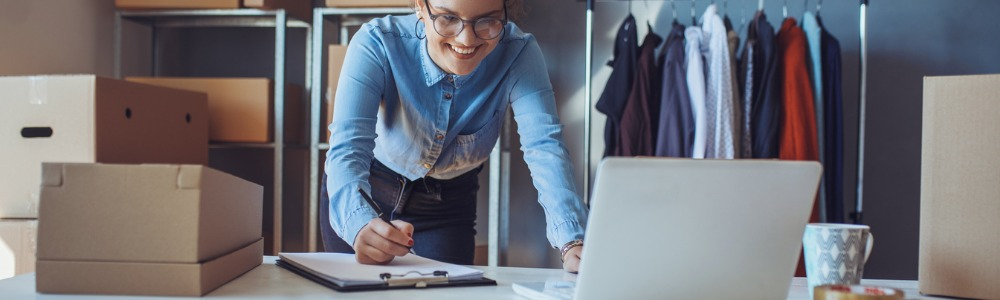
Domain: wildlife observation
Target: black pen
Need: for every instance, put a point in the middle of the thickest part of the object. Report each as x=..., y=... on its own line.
x=378, y=211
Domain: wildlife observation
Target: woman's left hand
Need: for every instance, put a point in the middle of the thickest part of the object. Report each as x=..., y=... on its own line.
x=571, y=262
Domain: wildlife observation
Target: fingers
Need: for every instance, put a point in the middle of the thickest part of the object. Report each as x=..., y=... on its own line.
x=571, y=263
x=404, y=227
x=379, y=242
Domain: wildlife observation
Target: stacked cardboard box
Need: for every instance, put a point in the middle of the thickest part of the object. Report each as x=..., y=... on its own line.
x=368, y=3
x=164, y=230
x=300, y=9
x=241, y=109
x=959, y=195
x=337, y=53
x=85, y=118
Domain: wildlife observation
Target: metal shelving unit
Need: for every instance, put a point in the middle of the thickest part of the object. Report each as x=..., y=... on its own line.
x=277, y=19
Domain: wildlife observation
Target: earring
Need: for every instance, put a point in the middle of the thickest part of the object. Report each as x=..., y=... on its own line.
x=415, y=25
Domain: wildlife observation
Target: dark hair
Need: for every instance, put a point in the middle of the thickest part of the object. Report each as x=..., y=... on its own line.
x=515, y=8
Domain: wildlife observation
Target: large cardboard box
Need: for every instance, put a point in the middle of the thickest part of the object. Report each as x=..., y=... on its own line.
x=299, y=9
x=85, y=118
x=241, y=109
x=17, y=247
x=145, y=213
x=959, y=190
x=146, y=278
x=368, y=3
x=336, y=56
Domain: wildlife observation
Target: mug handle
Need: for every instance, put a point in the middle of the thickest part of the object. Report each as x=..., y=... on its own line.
x=868, y=248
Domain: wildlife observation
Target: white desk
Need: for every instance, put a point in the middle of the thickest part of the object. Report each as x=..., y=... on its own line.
x=271, y=282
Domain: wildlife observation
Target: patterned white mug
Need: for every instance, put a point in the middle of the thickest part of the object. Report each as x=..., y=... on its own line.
x=835, y=253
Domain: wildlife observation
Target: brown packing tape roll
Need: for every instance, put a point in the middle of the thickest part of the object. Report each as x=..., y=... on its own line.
x=856, y=292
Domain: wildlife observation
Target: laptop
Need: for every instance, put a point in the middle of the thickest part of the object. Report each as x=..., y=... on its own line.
x=663, y=228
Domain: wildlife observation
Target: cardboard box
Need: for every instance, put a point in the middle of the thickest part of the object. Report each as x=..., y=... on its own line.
x=146, y=278
x=241, y=109
x=176, y=4
x=368, y=3
x=299, y=9
x=84, y=118
x=145, y=213
x=17, y=247
x=336, y=55
x=959, y=194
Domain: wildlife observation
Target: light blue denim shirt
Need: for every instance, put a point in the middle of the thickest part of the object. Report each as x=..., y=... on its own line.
x=395, y=104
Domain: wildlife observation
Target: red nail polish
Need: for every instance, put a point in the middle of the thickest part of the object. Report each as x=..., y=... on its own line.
x=410, y=244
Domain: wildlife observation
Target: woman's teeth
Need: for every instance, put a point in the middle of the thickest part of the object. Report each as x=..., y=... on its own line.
x=463, y=50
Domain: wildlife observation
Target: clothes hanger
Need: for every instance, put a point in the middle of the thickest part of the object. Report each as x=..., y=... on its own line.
x=673, y=8
x=694, y=14
x=784, y=10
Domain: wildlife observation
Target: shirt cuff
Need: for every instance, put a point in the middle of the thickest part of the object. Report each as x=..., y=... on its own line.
x=566, y=232
x=356, y=220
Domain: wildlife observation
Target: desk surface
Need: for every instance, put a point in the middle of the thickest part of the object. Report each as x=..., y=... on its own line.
x=271, y=282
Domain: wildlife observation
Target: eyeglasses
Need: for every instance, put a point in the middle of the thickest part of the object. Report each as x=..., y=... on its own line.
x=448, y=25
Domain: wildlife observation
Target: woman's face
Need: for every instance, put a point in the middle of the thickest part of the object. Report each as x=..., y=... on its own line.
x=461, y=53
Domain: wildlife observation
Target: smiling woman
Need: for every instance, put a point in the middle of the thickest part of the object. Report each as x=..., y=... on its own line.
x=419, y=106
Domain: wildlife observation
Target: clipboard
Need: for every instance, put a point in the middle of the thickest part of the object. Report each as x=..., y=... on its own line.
x=334, y=270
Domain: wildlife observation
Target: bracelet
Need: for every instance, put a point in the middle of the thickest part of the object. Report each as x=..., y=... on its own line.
x=565, y=248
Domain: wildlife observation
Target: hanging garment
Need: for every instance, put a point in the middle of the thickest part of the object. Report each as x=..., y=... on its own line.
x=815, y=63
x=613, y=99
x=675, y=132
x=766, y=111
x=643, y=107
x=798, y=128
x=733, y=38
x=719, y=88
x=745, y=77
x=696, y=87
x=833, y=128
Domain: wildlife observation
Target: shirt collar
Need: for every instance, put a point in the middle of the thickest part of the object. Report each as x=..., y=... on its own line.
x=433, y=74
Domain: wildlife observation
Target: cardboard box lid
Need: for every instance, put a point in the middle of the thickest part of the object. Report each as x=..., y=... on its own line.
x=144, y=213
x=152, y=279
x=176, y=4
x=959, y=190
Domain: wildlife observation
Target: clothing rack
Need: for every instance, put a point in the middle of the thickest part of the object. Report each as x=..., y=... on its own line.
x=856, y=216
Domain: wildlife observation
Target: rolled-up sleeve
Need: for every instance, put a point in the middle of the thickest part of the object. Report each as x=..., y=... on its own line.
x=533, y=103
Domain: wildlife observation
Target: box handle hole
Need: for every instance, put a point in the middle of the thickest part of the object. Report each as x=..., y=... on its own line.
x=128, y=113
x=36, y=132
x=188, y=118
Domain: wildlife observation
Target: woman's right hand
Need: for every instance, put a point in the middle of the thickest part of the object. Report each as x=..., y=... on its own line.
x=379, y=242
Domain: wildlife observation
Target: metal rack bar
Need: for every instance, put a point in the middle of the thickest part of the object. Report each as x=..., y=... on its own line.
x=279, y=126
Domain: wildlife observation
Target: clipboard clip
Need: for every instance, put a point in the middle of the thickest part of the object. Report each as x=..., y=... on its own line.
x=415, y=278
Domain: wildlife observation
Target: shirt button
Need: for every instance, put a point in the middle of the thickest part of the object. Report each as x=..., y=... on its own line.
x=427, y=166
x=439, y=137
x=451, y=79
x=447, y=96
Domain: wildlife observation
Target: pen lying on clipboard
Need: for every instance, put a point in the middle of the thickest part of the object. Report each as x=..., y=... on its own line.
x=378, y=211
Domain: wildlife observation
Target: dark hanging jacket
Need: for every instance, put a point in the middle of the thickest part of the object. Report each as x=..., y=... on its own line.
x=639, y=118
x=765, y=116
x=833, y=128
x=675, y=132
x=616, y=92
